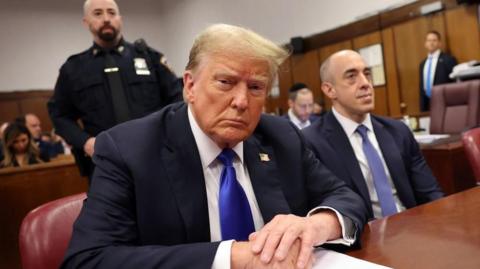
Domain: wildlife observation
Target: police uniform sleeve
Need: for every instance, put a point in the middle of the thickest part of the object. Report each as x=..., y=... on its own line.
x=63, y=112
x=170, y=85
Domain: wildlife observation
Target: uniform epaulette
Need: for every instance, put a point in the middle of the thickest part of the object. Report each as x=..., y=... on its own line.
x=73, y=56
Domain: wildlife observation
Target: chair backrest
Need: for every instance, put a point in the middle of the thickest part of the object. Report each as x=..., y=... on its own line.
x=471, y=145
x=45, y=232
x=455, y=107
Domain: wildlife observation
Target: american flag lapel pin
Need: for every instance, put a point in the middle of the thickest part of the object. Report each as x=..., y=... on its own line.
x=264, y=157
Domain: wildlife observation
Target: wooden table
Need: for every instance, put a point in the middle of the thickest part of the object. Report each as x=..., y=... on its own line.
x=442, y=234
x=449, y=164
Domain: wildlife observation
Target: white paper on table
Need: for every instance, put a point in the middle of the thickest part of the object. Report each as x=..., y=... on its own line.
x=328, y=259
x=429, y=138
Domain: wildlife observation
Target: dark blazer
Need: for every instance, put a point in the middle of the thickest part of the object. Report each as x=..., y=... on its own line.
x=444, y=67
x=147, y=205
x=411, y=176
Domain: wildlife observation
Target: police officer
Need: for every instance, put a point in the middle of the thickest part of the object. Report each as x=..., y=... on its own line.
x=111, y=82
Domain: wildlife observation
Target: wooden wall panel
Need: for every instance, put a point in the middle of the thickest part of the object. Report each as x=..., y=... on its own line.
x=463, y=33
x=9, y=110
x=325, y=52
x=278, y=105
x=14, y=104
x=381, y=104
x=410, y=51
x=391, y=75
x=306, y=69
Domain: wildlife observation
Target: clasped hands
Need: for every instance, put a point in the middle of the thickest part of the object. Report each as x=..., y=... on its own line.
x=287, y=241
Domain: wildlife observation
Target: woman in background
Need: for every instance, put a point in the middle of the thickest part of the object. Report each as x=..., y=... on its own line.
x=18, y=147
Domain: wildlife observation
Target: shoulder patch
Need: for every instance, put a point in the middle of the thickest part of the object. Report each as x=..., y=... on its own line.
x=163, y=61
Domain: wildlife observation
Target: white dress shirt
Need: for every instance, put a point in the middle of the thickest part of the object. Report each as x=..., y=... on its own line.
x=212, y=169
x=434, y=56
x=356, y=141
x=293, y=118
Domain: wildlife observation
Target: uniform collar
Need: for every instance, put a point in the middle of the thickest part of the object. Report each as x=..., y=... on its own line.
x=120, y=48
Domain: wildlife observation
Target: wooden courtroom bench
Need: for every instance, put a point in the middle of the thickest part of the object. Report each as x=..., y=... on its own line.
x=23, y=189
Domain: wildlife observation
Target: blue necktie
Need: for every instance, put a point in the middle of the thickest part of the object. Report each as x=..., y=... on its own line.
x=380, y=180
x=428, y=85
x=236, y=219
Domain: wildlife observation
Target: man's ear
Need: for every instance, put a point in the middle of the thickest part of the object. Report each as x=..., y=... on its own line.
x=188, y=84
x=85, y=23
x=290, y=103
x=329, y=90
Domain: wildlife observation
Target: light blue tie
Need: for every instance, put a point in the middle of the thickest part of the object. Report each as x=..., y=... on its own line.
x=236, y=219
x=380, y=180
x=428, y=86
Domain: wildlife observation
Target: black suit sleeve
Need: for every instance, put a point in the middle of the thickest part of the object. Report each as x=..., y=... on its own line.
x=105, y=234
x=325, y=189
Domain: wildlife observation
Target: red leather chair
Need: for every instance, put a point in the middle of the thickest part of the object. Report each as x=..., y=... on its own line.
x=45, y=232
x=471, y=144
x=455, y=107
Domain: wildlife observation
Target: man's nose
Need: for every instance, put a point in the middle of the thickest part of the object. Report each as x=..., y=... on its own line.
x=365, y=81
x=240, y=97
x=106, y=17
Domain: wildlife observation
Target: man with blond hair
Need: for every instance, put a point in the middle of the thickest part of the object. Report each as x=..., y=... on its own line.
x=111, y=82
x=213, y=183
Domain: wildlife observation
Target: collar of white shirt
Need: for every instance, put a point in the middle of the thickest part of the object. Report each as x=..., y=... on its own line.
x=297, y=121
x=435, y=54
x=350, y=126
x=207, y=148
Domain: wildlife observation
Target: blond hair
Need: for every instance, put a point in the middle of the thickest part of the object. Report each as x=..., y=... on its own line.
x=225, y=39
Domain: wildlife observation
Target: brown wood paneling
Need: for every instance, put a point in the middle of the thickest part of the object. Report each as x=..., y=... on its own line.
x=306, y=69
x=279, y=104
x=463, y=33
x=410, y=51
x=23, y=189
x=9, y=110
x=391, y=76
x=408, y=12
x=14, y=104
x=324, y=53
x=343, y=33
x=381, y=104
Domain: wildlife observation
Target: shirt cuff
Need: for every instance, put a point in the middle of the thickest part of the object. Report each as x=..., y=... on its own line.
x=348, y=229
x=222, y=257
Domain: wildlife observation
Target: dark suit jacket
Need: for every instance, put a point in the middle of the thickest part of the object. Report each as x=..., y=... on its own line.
x=147, y=205
x=411, y=176
x=444, y=67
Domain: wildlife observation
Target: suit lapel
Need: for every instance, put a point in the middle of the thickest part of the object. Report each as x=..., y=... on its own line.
x=264, y=177
x=339, y=141
x=392, y=156
x=184, y=169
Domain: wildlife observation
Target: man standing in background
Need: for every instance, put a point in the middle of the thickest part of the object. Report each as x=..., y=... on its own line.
x=434, y=69
x=111, y=82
